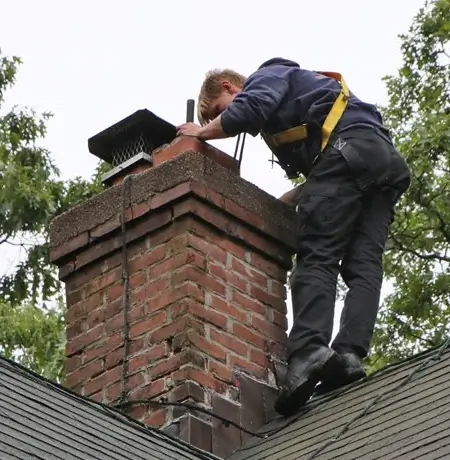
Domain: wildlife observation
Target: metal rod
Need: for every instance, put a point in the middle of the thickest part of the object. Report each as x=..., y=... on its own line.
x=190, y=110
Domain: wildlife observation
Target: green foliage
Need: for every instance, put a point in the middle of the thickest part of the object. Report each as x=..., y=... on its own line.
x=416, y=315
x=34, y=337
x=31, y=194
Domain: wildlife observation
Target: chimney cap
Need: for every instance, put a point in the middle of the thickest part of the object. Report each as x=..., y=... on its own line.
x=152, y=130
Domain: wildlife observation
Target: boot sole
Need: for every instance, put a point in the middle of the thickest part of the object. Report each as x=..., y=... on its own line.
x=298, y=395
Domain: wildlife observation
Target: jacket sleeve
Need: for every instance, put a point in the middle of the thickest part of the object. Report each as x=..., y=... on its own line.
x=252, y=107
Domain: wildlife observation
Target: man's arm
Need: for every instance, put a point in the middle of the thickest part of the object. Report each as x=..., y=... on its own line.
x=255, y=104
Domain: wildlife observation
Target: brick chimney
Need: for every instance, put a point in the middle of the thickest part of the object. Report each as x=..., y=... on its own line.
x=175, y=286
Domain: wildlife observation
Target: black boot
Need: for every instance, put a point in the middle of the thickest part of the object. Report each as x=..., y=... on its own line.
x=305, y=369
x=349, y=370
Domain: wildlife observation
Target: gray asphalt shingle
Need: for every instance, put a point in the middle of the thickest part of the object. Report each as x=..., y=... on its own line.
x=402, y=413
x=41, y=420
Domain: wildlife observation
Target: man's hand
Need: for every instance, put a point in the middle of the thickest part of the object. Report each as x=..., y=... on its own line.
x=292, y=197
x=189, y=129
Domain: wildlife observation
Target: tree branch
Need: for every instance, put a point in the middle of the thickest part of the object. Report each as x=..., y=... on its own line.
x=432, y=256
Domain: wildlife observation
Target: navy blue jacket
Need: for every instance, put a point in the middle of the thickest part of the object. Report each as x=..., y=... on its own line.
x=280, y=95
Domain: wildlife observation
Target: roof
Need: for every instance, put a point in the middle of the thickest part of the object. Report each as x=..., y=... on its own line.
x=401, y=412
x=42, y=420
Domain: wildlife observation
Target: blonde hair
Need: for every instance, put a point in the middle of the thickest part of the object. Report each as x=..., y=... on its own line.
x=211, y=88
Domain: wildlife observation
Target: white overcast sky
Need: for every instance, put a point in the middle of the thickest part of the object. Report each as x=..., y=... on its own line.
x=94, y=62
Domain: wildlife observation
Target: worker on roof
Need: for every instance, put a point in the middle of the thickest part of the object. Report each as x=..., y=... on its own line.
x=354, y=176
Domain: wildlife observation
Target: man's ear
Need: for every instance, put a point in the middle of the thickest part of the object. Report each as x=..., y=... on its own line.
x=226, y=85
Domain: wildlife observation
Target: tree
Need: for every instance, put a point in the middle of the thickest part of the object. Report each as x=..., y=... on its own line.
x=416, y=315
x=31, y=194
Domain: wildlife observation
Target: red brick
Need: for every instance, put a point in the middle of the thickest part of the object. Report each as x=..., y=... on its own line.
x=206, y=281
x=101, y=282
x=268, y=299
x=112, y=308
x=148, y=391
x=149, y=290
x=277, y=288
x=250, y=218
x=212, y=251
x=169, y=331
x=136, y=313
x=138, y=412
x=157, y=419
x=144, y=261
x=146, y=327
x=219, y=370
x=139, y=209
x=268, y=328
x=114, y=358
x=72, y=363
x=252, y=337
x=239, y=251
x=135, y=380
x=208, y=314
x=147, y=357
x=180, y=259
x=249, y=304
x=228, y=276
x=81, y=278
x=115, y=291
x=56, y=252
x=84, y=340
x=201, y=377
x=107, y=378
x=206, y=346
x=227, y=308
x=169, y=365
x=95, y=317
x=136, y=280
x=250, y=273
x=175, y=295
x=247, y=366
x=114, y=324
x=259, y=357
x=280, y=319
x=85, y=373
x=269, y=267
x=103, y=348
x=229, y=341
x=74, y=329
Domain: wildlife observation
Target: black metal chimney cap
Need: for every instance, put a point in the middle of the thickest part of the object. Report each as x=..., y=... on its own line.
x=142, y=123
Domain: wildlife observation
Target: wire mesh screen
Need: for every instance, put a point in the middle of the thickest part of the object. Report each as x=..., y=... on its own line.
x=125, y=151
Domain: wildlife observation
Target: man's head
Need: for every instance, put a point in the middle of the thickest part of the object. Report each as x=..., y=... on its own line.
x=217, y=92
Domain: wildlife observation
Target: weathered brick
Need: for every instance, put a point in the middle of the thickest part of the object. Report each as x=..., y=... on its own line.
x=115, y=291
x=147, y=357
x=236, y=362
x=228, y=276
x=73, y=363
x=57, y=252
x=84, y=373
x=212, y=251
x=82, y=341
x=246, y=334
x=156, y=321
x=202, y=278
x=206, y=346
x=268, y=299
x=229, y=341
x=208, y=314
x=148, y=391
x=269, y=267
x=249, y=304
x=268, y=328
x=136, y=280
x=101, y=282
x=149, y=290
x=166, y=299
x=146, y=260
x=226, y=308
x=101, y=381
x=220, y=371
x=259, y=357
x=253, y=275
x=169, y=365
x=114, y=358
x=157, y=418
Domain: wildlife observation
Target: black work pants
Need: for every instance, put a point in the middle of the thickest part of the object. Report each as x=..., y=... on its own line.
x=346, y=208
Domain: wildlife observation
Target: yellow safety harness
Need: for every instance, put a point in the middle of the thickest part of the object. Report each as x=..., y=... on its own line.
x=300, y=132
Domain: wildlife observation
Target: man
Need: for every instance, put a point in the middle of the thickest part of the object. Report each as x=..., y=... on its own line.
x=354, y=176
